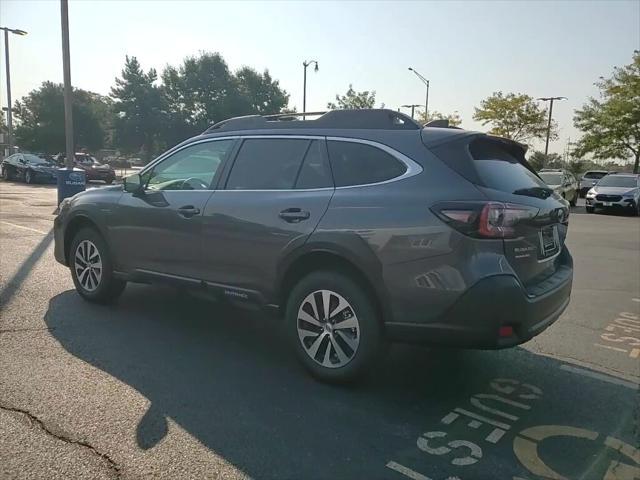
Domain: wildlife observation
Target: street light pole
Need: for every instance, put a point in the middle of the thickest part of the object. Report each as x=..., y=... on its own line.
x=550, y=100
x=412, y=107
x=8, y=70
x=305, y=64
x=66, y=67
x=426, y=100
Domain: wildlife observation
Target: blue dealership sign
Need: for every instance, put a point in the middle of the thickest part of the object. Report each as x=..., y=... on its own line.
x=70, y=182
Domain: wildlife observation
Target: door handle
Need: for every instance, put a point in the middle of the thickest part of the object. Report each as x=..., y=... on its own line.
x=294, y=215
x=188, y=211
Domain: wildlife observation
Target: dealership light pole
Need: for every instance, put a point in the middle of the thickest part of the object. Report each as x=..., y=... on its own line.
x=305, y=64
x=426, y=100
x=6, y=58
x=412, y=107
x=66, y=68
x=550, y=100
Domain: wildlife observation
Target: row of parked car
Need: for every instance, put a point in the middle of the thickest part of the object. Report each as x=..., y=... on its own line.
x=32, y=168
x=601, y=188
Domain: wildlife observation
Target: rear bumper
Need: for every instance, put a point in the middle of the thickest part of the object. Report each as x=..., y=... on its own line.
x=475, y=319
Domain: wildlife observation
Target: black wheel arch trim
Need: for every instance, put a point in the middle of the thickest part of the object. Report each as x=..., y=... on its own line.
x=343, y=246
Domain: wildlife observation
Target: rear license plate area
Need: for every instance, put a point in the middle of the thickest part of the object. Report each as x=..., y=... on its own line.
x=549, y=241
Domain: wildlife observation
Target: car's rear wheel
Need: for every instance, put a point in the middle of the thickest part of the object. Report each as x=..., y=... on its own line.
x=92, y=268
x=333, y=325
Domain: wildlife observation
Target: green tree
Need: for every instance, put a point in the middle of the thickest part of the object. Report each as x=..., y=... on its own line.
x=454, y=118
x=611, y=124
x=353, y=100
x=203, y=91
x=258, y=93
x=539, y=160
x=40, y=116
x=514, y=116
x=139, y=110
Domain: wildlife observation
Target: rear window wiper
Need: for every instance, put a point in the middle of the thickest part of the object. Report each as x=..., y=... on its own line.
x=538, y=192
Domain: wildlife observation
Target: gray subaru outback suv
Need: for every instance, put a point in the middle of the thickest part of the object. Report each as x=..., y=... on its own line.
x=359, y=226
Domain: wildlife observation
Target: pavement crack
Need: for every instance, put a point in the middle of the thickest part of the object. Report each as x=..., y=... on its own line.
x=111, y=464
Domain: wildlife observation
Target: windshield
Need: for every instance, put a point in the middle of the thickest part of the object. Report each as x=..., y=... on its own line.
x=34, y=159
x=594, y=175
x=551, y=178
x=618, y=181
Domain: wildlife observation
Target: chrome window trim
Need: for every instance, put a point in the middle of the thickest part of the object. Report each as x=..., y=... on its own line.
x=413, y=168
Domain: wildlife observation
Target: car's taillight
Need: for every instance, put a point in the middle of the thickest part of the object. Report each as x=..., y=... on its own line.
x=485, y=219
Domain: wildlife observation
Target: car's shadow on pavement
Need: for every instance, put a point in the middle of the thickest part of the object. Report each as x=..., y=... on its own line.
x=229, y=378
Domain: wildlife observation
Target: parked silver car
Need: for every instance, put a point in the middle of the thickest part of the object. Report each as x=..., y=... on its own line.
x=563, y=183
x=616, y=191
x=589, y=179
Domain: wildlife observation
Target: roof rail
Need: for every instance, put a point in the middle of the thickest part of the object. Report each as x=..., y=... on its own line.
x=375, y=118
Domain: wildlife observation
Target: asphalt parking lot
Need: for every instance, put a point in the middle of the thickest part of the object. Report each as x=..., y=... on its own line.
x=163, y=385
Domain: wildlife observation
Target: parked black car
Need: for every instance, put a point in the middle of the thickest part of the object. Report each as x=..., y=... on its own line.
x=29, y=168
x=358, y=226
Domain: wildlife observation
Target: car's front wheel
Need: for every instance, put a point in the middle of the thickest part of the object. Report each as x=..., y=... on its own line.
x=334, y=326
x=92, y=268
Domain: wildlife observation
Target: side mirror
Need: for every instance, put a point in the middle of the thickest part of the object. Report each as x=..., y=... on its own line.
x=594, y=183
x=133, y=183
x=22, y=160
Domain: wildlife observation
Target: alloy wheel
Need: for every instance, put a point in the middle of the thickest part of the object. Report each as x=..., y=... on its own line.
x=88, y=265
x=328, y=328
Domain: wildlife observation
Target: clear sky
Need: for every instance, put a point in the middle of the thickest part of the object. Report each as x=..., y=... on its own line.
x=466, y=49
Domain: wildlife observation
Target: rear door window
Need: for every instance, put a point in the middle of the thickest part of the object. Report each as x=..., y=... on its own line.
x=267, y=164
x=361, y=164
x=315, y=171
x=500, y=169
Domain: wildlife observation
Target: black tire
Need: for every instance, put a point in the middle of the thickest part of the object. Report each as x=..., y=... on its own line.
x=361, y=307
x=29, y=177
x=108, y=287
x=590, y=209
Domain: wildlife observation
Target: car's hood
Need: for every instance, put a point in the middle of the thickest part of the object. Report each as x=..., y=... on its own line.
x=612, y=190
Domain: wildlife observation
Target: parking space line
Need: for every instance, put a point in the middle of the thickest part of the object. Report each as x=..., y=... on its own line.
x=599, y=376
x=412, y=474
x=617, y=349
x=25, y=228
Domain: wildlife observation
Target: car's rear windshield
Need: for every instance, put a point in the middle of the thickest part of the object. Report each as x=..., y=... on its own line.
x=551, y=178
x=594, y=175
x=499, y=169
x=618, y=181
